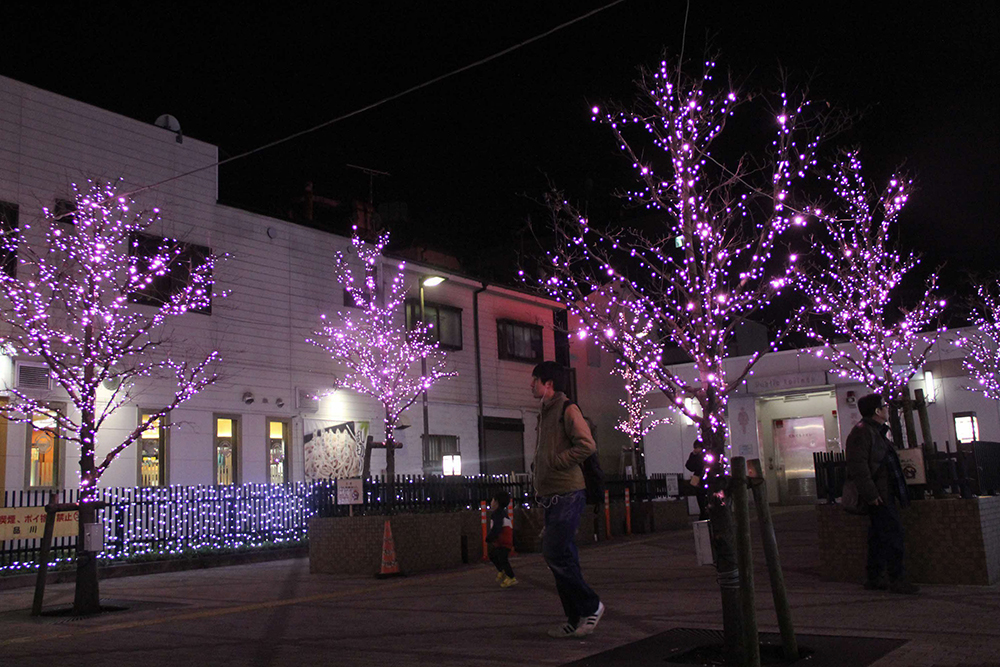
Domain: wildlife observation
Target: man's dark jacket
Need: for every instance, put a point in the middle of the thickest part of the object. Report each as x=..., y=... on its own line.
x=871, y=460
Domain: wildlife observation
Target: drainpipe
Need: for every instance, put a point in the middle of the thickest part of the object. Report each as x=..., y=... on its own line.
x=479, y=375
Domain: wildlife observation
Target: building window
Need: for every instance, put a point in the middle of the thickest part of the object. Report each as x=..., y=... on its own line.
x=227, y=449
x=176, y=276
x=445, y=321
x=966, y=426
x=8, y=247
x=44, y=452
x=153, y=451
x=442, y=455
x=519, y=341
x=277, y=451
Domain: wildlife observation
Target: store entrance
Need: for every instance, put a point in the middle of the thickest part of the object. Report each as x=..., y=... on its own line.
x=793, y=428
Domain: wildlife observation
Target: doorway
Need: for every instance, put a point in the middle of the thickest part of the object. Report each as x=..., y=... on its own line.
x=502, y=451
x=792, y=428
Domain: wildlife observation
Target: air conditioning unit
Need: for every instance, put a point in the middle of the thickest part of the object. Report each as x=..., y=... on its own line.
x=305, y=401
x=32, y=375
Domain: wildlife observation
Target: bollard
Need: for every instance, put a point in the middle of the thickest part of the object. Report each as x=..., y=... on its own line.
x=628, y=513
x=510, y=515
x=482, y=512
x=607, y=514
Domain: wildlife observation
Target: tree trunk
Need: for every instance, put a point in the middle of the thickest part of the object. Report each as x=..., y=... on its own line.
x=87, y=599
x=720, y=513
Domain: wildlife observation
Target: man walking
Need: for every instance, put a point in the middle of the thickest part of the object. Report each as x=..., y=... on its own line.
x=564, y=442
x=872, y=463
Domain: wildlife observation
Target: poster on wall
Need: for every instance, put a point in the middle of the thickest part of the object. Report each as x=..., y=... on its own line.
x=743, y=427
x=333, y=450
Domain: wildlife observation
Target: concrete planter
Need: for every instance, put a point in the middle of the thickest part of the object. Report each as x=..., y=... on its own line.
x=353, y=545
x=434, y=541
x=951, y=541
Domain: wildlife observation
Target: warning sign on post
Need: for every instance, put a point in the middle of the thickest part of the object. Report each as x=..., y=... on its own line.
x=349, y=491
x=28, y=523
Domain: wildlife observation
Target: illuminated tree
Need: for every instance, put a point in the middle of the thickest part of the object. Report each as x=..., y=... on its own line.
x=702, y=265
x=71, y=301
x=381, y=357
x=851, y=282
x=638, y=421
x=982, y=342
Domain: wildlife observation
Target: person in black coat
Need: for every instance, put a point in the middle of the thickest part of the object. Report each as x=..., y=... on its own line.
x=873, y=465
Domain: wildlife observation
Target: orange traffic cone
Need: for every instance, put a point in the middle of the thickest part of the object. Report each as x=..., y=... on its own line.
x=390, y=568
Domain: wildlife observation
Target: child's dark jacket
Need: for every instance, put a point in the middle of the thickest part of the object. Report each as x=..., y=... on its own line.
x=501, y=529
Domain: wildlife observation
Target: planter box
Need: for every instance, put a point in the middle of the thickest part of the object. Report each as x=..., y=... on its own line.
x=950, y=541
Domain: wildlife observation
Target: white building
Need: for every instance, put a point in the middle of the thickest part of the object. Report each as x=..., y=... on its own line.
x=791, y=407
x=280, y=282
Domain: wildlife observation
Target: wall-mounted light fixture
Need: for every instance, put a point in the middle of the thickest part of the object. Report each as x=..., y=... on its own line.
x=929, y=394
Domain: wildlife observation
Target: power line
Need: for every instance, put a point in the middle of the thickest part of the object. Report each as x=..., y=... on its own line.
x=381, y=102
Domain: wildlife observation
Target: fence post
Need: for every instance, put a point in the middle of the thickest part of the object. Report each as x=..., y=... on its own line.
x=482, y=518
x=628, y=513
x=607, y=514
x=510, y=515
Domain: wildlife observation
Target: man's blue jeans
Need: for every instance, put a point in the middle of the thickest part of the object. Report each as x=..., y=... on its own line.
x=562, y=518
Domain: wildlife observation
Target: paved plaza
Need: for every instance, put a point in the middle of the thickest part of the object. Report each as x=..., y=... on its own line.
x=276, y=613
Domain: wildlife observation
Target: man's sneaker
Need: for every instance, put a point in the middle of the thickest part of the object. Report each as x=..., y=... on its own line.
x=588, y=623
x=563, y=631
x=508, y=582
x=500, y=576
x=904, y=588
x=879, y=584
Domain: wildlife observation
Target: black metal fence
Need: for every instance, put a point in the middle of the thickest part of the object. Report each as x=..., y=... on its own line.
x=972, y=469
x=158, y=522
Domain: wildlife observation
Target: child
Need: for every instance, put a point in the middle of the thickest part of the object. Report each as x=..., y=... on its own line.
x=501, y=539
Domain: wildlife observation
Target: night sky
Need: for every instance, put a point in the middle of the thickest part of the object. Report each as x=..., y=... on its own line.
x=469, y=154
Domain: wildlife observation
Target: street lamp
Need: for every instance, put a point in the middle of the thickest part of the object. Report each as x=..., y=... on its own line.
x=426, y=281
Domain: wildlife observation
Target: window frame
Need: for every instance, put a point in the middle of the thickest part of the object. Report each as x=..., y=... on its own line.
x=58, y=445
x=165, y=286
x=413, y=315
x=507, y=355
x=164, y=449
x=287, y=427
x=237, y=448
x=955, y=416
x=436, y=467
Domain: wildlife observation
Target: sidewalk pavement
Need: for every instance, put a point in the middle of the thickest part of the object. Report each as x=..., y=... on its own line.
x=276, y=613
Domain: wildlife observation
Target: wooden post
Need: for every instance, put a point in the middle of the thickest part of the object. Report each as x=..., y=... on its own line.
x=758, y=485
x=744, y=559
x=928, y=447
x=607, y=514
x=895, y=426
x=911, y=431
x=43, y=556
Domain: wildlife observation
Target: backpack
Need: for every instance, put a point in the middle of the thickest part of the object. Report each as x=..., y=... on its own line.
x=593, y=475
